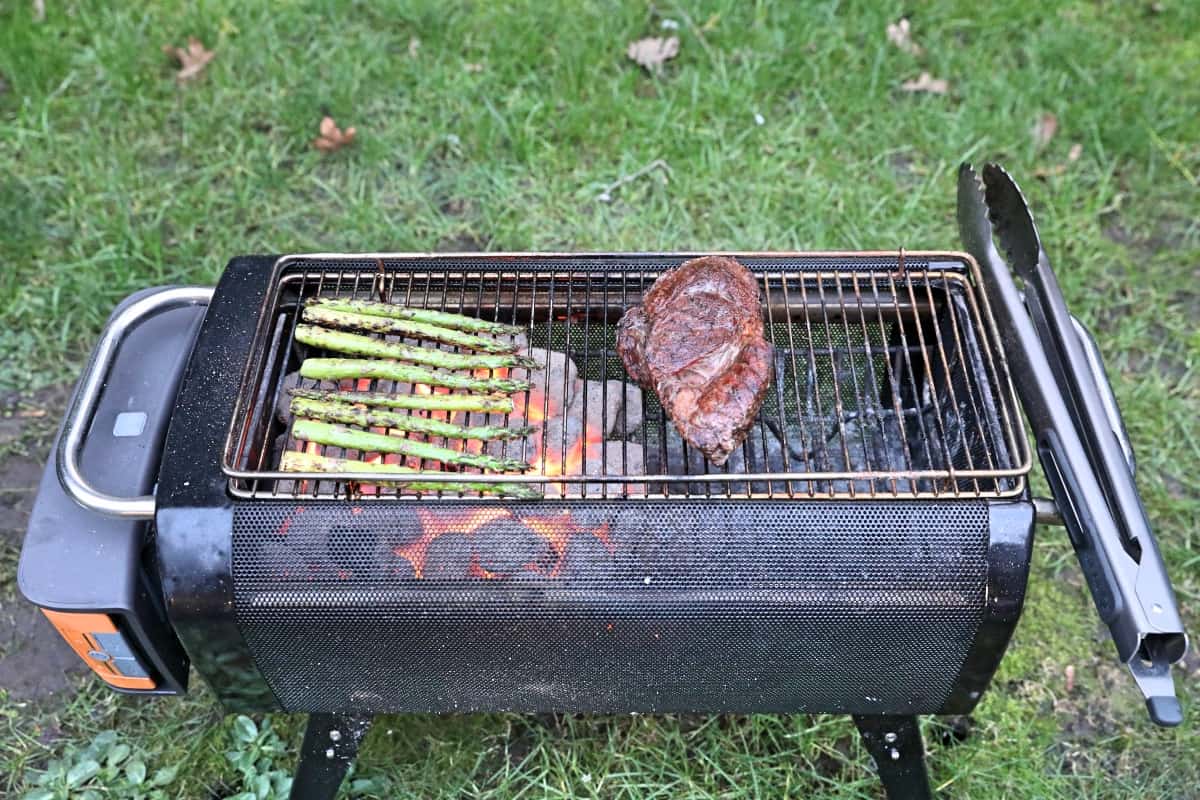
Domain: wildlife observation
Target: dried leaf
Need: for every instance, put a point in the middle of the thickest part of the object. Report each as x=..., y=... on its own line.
x=900, y=34
x=1044, y=129
x=926, y=83
x=39, y=10
x=192, y=59
x=1050, y=172
x=414, y=46
x=1075, y=152
x=651, y=52
x=332, y=137
x=472, y=67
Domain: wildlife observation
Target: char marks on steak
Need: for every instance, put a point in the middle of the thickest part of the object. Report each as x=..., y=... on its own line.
x=697, y=342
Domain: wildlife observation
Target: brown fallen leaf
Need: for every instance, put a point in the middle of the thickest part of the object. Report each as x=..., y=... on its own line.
x=332, y=137
x=1043, y=130
x=192, y=59
x=900, y=34
x=926, y=83
x=1055, y=170
x=651, y=52
x=1050, y=172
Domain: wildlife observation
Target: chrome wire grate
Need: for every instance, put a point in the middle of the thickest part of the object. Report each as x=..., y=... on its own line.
x=889, y=381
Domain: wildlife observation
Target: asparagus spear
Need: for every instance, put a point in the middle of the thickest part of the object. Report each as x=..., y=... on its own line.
x=304, y=462
x=419, y=330
x=424, y=402
x=353, y=343
x=347, y=414
x=333, y=369
x=350, y=439
x=440, y=318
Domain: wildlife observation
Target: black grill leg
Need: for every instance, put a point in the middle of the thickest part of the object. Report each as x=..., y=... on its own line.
x=895, y=744
x=330, y=745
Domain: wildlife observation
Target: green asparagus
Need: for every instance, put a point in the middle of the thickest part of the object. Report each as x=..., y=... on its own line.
x=350, y=439
x=332, y=369
x=355, y=344
x=304, y=462
x=440, y=318
x=347, y=414
x=417, y=330
x=423, y=402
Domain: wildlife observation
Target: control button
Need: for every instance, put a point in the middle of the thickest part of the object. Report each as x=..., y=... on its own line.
x=96, y=639
x=130, y=423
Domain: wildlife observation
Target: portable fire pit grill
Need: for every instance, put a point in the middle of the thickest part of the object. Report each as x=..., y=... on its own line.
x=865, y=550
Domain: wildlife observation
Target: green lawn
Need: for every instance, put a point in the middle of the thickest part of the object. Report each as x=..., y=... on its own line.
x=487, y=129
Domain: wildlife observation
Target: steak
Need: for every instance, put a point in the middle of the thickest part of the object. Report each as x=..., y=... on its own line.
x=697, y=342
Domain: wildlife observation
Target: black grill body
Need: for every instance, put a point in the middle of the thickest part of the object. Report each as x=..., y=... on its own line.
x=867, y=607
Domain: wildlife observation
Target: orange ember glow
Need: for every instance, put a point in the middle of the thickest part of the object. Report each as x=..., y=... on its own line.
x=434, y=525
x=581, y=451
x=556, y=529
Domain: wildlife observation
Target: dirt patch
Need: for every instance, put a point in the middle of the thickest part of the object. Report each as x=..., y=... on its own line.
x=1168, y=233
x=35, y=663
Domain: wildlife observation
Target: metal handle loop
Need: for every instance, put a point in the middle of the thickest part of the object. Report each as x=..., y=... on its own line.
x=1112, y=411
x=79, y=418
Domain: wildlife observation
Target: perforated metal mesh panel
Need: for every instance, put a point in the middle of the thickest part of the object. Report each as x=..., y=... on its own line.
x=615, y=606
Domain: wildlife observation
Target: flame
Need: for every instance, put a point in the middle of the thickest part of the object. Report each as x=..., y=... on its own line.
x=476, y=570
x=434, y=525
x=558, y=530
x=583, y=450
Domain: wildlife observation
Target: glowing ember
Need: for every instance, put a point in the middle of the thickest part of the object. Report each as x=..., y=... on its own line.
x=556, y=529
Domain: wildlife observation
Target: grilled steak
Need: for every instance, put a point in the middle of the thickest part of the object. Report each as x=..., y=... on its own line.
x=697, y=342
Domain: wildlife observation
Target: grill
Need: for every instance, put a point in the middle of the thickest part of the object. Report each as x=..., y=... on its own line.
x=864, y=551
x=886, y=382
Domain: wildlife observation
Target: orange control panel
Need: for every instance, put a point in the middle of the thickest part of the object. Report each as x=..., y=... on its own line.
x=95, y=639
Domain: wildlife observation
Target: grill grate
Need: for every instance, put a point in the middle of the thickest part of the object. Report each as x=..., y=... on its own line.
x=888, y=382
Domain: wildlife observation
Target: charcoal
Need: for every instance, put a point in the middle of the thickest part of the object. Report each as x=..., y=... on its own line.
x=447, y=557
x=555, y=377
x=396, y=567
x=284, y=562
x=619, y=458
x=506, y=546
x=606, y=408
x=586, y=557
x=761, y=451
x=349, y=546
x=401, y=530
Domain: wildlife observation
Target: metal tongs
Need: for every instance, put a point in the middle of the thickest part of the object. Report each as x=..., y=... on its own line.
x=1081, y=440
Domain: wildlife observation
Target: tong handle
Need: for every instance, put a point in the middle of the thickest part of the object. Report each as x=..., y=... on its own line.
x=1079, y=442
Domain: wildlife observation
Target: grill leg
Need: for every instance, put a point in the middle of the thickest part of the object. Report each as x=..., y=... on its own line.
x=330, y=745
x=899, y=753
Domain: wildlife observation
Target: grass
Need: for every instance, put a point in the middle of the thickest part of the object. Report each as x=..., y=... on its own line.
x=113, y=177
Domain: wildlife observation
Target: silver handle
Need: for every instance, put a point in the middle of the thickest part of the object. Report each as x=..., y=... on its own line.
x=79, y=418
x=1108, y=400
x=1046, y=510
